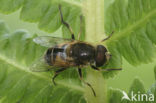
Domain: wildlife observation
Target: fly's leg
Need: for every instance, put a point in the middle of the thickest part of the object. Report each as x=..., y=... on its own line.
x=66, y=24
x=95, y=68
x=108, y=36
x=56, y=74
x=79, y=35
x=81, y=78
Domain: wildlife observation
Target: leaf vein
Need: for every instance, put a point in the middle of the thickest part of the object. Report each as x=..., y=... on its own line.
x=129, y=29
x=26, y=69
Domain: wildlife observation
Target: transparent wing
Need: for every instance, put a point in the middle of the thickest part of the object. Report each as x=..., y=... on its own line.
x=49, y=41
x=40, y=66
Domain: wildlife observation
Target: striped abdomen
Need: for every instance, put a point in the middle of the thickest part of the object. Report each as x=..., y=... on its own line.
x=57, y=56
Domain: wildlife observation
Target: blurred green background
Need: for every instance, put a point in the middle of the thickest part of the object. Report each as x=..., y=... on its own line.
x=124, y=78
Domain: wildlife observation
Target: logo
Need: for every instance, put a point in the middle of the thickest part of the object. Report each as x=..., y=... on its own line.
x=137, y=96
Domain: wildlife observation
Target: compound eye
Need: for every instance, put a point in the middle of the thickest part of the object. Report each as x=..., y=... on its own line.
x=100, y=56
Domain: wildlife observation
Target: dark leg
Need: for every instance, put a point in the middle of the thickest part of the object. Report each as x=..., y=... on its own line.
x=108, y=37
x=66, y=24
x=81, y=78
x=56, y=74
x=95, y=68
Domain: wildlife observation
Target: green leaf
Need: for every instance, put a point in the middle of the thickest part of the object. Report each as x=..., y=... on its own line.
x=45, y=12
x=137, y=87
x=18, y=84
x=115, y=96
x=9, y=6
x=33, y=10
x=134, y=25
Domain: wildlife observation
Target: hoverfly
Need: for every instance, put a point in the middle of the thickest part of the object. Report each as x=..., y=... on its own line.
x=65, y=53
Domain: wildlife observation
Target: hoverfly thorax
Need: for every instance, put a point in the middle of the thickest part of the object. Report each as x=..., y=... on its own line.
x=101, y=55
x=82, y=53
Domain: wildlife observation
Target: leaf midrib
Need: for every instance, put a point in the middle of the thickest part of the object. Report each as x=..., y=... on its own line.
x=127, y=31
x=26, y=69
